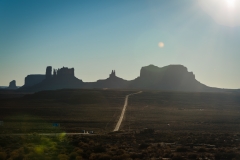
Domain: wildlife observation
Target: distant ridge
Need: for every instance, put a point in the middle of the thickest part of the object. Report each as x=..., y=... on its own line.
x=168, y=78
x=3, y=86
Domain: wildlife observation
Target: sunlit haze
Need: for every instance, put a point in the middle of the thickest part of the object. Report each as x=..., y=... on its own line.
x=224, y=12
x=231, y=3
x=96, y=37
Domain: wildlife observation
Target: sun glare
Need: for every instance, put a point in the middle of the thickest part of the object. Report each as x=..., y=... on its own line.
x=231, y=3
x=224, y=12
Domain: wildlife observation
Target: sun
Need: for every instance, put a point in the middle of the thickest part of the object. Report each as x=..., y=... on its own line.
x=161, y=44
x=231, y=3
x=224, y=12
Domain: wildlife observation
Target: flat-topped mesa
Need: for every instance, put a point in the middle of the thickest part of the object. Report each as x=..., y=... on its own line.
x=113, y=74
x=64, y=72
x=176, y=71
x=33, y=79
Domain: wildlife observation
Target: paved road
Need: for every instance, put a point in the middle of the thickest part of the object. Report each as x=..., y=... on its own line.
x=123, y=111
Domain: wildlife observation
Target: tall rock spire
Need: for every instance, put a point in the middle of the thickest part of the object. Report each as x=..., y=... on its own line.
x=12, y=85
x=112, y=74
x=48, y=72
x=54, y=73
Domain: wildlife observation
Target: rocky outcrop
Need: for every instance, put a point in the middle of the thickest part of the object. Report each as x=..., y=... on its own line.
x=113, y=74
x=112, y=82
x=170, y=71
x=49, y=72
x=172, y=77
x=61, y=78
x=69, y=72
x=32, y=80
x=168, y=78
x=12, y=85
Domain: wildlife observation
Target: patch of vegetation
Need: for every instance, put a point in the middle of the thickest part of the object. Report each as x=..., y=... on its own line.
x=117, y=146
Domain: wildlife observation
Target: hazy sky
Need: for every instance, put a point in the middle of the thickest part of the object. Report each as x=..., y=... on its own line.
x=96, y=36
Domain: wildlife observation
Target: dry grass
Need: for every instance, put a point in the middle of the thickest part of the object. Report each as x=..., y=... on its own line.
x=175, y=111
x=75, y=110
x=99, y=110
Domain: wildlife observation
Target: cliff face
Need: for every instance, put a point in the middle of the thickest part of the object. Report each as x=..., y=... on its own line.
x=170, y=71
x=31, y=80
x=61, y=78
x=69, y=72
x=48, y=72
x=168, y=78
x=172, y=77
x=12, y=85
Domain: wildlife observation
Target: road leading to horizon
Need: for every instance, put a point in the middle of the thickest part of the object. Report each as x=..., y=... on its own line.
x=123, y=111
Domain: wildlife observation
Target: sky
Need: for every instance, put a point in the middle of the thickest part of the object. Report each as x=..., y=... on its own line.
x=95, y=37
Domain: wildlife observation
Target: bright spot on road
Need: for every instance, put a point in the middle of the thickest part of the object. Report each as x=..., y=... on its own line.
x=161, y=44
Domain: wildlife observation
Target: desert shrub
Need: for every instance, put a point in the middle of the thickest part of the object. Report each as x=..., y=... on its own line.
x=181, y=149
x=3, y=155
x=34, y=156
x=143, y=146
x=83, y=145
x=167, y=155
x=99, y=156
x=201, y=150
x=177, y=157
x=147, y=131
x=73, y=156
x=136, y=155
x=35, y=138
x=16, y=155
x=63, y=157
x=26, y=150
x=79, y=151
x=192, y=156
x=99, y=149
x=121, y=157
x=79, y=158
x=219, y=156
x=120, y=152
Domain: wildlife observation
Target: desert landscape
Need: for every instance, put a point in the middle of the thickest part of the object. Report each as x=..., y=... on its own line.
x=176, y=125
x=119, y=80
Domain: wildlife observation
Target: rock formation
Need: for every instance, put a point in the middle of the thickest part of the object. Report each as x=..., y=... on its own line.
x=12, y=85
x=69, y=72
x=112, y=82
x=172, y=77
x=61, y=78
x=168, y=78
x=31, y=80
x=113, y=74
x=54, y=73
x=49, y=72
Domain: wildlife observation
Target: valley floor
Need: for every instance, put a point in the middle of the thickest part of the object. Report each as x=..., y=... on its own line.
x=181, y=125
